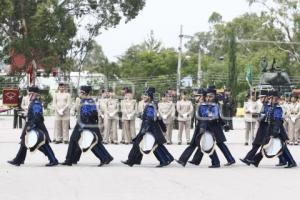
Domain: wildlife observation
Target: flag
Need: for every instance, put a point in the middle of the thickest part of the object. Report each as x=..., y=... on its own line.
x=249, y=75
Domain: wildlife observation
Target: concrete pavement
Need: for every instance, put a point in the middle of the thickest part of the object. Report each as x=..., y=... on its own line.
x=117, y=181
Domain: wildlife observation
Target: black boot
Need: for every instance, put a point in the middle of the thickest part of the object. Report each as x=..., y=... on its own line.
x=215, y=162
x=165, y=151
x=226, y=153
x=289, y=158
x=101, y=153
x=47, y=150
x=282, y=161
x=257, y=158
x=73, y=153
x=77, y=155
x=197, y=158
x=20, y=157
x=186, y=154
x=135, y=156
x=160, y=155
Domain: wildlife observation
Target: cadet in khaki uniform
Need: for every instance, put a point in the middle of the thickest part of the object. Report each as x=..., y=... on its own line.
x=251, y=114
x=111, y=129
x=101, y=107
x=25, y=103
x=185, y=111
x=293, y=115
x=62, y=104
x=129, y=111
x=284, y=105
x=166, y=110
x=140, y=110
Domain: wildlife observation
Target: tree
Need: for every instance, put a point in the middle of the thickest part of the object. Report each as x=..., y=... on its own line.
x=39, y=29
x=232, y=73
x=215, y=18
x=285, y=15
x=55, y=32
x=95, y=60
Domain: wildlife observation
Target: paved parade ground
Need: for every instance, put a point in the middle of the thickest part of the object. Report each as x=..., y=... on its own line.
x=118, y=181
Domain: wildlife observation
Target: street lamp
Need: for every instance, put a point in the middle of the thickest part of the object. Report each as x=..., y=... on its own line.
x=181, y=36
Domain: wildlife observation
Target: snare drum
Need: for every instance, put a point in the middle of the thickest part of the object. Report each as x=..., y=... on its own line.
x=273, y=148
x=147, y=144
x=34, y=139
x=207, y=142
x=88, y=140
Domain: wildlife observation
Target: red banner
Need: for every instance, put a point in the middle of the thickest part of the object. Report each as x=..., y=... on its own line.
x=10, y=96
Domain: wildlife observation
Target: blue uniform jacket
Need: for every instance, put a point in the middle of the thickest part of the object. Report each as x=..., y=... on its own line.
x=151, y=124
x=35, y=120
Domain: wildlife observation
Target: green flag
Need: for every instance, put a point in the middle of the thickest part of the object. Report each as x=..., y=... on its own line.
x=249, y=75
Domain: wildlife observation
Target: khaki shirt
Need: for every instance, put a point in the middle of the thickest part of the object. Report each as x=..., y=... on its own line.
x=260, y=105
x=102, y=106
x=112, y=108
x=62, y=101
x=293, y=111
x=25, y=103
x=129, y=109
x=166, y=111
x=185, y=110
x=251, y=107
x=141, y=106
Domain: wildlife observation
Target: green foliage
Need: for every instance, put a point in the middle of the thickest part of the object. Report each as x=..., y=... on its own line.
x=45, y=30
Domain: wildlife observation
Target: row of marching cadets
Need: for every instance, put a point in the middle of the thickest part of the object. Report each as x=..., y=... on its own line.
x=150, y=137
x=35, y=134
x=271, y=137
x=208, y=132
x=85, y=136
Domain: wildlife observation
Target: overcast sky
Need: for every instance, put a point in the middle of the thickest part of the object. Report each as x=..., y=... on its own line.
x=164, y=18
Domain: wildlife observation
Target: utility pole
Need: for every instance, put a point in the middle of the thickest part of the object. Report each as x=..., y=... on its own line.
x=179, y=63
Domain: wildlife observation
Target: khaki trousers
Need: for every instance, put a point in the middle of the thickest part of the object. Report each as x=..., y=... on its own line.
x=169, y=132
x=294, y=130
x=128, y=130
x=101, y=125
x=249, y=131
x=184, y=125
x=61, y=128
x=111, y=131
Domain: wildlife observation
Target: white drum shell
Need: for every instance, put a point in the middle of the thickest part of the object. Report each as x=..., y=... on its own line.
x=31, y=138
x=86, y=140
x=147, y=143
x=273, y=148
x=207, y=142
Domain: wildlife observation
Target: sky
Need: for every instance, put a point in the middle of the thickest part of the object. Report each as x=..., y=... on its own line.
x=164, y=17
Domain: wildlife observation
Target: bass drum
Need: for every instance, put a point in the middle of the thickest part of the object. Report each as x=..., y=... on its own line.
x=147, y=144
x=207, y=142
x=88, y=140
x=34, y=139
x=273, y=148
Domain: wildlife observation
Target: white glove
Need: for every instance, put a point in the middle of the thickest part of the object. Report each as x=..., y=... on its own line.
x=111, y=114
x=61, y=112
x=185, y=115
x=129, y=116
x=164, y=117
x=293, y=119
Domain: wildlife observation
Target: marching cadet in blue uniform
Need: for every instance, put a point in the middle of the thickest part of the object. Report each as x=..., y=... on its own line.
x=216, y=129
x=274, y=120
x=260, y=136
x=206, y=120
x=87, y=119
x=35, y=122
x=151, y=125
